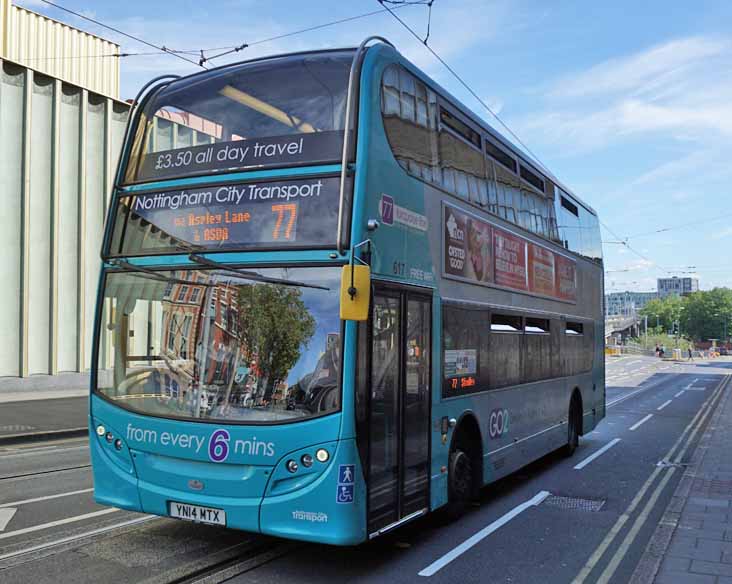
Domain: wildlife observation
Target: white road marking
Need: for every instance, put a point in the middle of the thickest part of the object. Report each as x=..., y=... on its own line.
x=46, y=498
x=86, y=534
x=437, y=565
x=663, y=405
x=637, y=424
x=600, y=452
x=679, y=393
x=5, y=516
x=56, y=523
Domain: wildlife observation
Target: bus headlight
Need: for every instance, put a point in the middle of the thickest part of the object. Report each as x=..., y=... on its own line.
x=291, y=466
x=101, y=430
x=322, y=455
x=307, y=460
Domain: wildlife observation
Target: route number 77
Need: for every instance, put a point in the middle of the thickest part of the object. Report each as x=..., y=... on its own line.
x=281, y=210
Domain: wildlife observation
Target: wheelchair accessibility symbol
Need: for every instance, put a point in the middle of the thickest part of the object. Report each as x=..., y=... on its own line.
x=346, y=482
x=345, y=494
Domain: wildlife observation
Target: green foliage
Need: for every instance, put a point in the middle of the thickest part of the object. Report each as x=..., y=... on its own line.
x=662, y=312
x=702, y=315
x=705, y=314
x=275, y=327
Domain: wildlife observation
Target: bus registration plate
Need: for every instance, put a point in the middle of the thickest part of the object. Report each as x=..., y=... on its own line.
x=197, y=513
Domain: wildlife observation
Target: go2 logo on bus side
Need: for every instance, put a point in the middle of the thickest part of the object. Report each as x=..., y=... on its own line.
x=498, y=423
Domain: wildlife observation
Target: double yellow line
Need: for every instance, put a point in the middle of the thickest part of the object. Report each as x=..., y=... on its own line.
x=687, y=437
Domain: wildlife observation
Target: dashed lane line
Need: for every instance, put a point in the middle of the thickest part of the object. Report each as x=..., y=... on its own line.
x=597, y=454
x=664, y=404
x=600, y=551
x=640, y=422
x=437, y=565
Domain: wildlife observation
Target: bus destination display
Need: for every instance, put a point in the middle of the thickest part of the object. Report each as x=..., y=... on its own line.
x=262, y=214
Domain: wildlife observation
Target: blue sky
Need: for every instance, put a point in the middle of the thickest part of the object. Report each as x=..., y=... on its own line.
x=628, y=103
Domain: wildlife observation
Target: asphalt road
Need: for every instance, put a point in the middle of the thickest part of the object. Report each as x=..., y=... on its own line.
x=22, y=417
x=592, y=526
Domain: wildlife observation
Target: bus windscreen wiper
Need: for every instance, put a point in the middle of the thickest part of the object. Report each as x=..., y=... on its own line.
x=247, y=275
x=156, y=275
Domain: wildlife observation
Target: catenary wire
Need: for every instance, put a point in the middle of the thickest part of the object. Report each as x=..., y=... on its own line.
x=508, y=129
x=237, y=48
x=118, y=31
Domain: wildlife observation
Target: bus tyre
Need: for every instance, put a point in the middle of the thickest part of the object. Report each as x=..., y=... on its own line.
x=572, y=430
x=460, y=483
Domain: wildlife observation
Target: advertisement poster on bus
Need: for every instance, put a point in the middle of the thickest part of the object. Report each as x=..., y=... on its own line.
x=510, y=253
x=566, y=278
x=467, y=247
x=261, y=214
x=542, y=277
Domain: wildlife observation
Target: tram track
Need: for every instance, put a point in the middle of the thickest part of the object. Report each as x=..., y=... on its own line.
x=227, y=569
x=43, y=472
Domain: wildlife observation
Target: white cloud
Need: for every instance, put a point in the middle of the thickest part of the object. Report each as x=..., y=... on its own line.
x=648, y=71
x=722, y=234
x=680, y=90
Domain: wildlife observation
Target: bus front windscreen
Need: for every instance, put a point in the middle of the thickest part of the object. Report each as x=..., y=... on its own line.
x=210, y=345
x=282, y=111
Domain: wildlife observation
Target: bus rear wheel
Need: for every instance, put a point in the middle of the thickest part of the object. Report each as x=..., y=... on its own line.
x=572, y=429
x=461, y=481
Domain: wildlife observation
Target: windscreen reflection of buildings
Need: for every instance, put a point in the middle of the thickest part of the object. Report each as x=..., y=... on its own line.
x=222, y=348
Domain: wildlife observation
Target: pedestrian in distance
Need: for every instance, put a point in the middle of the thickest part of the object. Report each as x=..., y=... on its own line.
x=658, y=351
x=691, y=356
x=663, y=351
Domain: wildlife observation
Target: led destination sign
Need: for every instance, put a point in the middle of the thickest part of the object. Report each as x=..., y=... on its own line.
x=298, y=212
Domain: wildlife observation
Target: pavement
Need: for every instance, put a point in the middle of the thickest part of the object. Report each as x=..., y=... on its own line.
x=43, y=407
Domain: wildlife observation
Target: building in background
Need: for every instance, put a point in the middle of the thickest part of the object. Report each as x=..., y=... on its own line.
x=58, y=50
x=677, y=286
x=61, y=128
x=627, y=303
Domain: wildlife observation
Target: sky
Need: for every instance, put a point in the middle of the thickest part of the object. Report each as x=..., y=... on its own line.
x=628, y=103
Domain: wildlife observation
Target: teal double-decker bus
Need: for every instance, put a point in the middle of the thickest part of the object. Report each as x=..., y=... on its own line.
x=332, y=300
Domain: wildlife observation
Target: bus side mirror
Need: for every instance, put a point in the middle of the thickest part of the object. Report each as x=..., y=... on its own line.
x=355, y=292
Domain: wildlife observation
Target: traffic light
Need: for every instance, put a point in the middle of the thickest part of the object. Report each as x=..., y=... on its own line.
x=676, y=328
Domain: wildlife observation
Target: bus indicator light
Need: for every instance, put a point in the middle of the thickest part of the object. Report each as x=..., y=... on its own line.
x=101, y=430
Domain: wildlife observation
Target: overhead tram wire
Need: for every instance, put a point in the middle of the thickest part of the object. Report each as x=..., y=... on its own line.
x=237, y=48
x=681, y=226
x=504, y=124
x=465, y=85
x=161, y=48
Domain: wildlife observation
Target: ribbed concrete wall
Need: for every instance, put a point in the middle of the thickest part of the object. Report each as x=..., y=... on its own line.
x=59, y=146
x=59, y=50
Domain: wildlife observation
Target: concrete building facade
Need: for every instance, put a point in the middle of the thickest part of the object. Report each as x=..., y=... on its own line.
x=59, y=144
x=58, y=50
x=627, y=303
x=677, y=286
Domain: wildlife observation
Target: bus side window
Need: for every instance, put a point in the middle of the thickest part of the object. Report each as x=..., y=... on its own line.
x=409, y=114
x=464, y=350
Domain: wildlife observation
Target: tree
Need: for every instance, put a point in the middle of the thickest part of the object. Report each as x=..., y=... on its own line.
x=275, y=327
x=708, y=314
x=663, y=312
